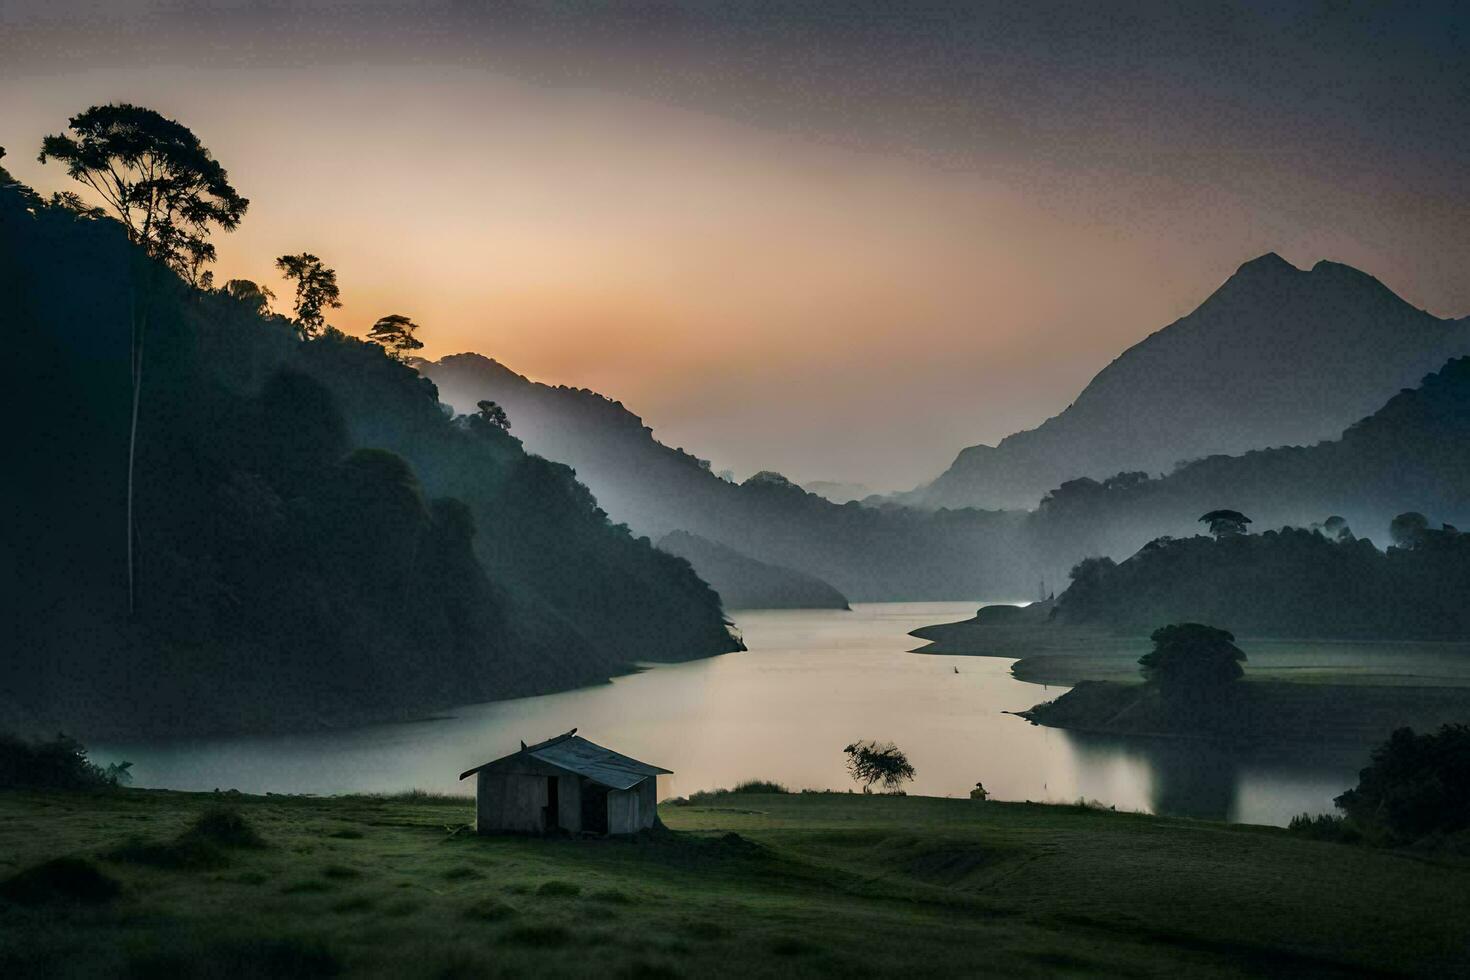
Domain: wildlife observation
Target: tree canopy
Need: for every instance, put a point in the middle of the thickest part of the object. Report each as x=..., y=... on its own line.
x=253, y=295
x=493, y=414
x=316, y=292
x=156, y=177
x=395, y=334
x=1192, y=657
x=1414, y=786
x=1225, y=522
x=1407, y=529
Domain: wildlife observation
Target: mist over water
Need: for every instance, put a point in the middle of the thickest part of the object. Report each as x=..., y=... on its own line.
x=811, y=682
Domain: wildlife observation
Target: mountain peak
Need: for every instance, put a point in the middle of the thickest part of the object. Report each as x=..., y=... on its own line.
x=1268, y=264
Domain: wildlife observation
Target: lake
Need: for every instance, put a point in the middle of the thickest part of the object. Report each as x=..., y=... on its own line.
x=812, y=682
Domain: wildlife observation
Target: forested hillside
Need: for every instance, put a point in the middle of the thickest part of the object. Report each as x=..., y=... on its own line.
x=744, y=583
x=1292, y=582
x=867, y=553
x=316, y=540
x=1413, y=454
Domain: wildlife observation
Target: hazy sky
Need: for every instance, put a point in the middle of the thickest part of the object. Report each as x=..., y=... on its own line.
x=833, y=238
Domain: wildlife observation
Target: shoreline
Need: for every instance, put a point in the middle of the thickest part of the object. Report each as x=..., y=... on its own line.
x=1346, y=692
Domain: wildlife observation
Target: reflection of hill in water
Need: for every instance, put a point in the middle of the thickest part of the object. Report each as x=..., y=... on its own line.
x=1218, y=781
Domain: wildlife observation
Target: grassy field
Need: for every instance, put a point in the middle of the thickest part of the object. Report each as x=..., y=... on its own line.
x=741, y=885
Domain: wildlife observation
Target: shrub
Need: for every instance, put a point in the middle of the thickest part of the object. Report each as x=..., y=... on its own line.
x=759, y=786
x=490, y=910
x=61, y=763
x=61, y=880
x=225, y=827
x=1324, y=826
x=872, y=762
x=202, y=845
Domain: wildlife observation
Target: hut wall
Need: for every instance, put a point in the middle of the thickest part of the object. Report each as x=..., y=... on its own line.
x=569, y=803
x=622, y=811
x=509, y=801
x=647, y=802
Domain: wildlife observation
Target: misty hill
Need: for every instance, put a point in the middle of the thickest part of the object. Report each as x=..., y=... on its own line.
x=317, y=541
x=744, y=583
x=1276, y=356
x=837, y=492
x=867, y=553
x=1413, y=454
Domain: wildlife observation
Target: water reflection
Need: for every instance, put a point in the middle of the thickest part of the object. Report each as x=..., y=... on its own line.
x=812, y=682
x=1252, y=782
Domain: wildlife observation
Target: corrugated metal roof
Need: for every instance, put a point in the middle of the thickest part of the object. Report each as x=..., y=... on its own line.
x=576, y=754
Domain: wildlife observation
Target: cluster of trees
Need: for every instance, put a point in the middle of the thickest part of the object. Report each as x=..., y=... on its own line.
x=57, y=763
x=1414, y=790
x=310, y=538
x=170, y=194
x=1415, y=449
x=1319, y=581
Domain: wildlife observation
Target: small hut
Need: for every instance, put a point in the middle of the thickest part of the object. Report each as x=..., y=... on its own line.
x=565, y=783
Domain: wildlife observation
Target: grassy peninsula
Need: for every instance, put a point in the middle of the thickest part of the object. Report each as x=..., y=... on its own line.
x=739, y=885
x=1339, y=690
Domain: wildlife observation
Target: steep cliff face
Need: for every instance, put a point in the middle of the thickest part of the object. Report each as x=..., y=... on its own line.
x=1276, y=356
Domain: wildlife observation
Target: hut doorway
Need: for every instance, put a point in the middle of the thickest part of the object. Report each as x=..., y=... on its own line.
x=594, y=807
x=550, y=813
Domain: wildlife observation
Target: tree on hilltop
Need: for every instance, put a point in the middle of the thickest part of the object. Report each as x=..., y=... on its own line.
x=1408, y=529
x=1225, y=523
x=169, y=193
x=156, y=177
x=316, y=292
x=395, y=334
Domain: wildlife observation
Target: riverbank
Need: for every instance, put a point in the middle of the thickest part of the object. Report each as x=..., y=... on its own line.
x=1333, y=690
x=742, y=885
x=1256, y=709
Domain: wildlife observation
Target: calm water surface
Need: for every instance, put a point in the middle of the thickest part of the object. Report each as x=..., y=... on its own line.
x=812, y=681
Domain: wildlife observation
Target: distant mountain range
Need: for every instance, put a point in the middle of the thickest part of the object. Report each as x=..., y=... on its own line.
x=745, y=583
x=1276, y=356
x=866, y=553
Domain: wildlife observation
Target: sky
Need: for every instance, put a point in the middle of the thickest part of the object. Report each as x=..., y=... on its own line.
x=840, y=239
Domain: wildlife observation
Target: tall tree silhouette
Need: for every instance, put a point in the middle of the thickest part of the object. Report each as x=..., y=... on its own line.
x=316, y=291
x=155, y=175
x=395, y=332
x=169, y=193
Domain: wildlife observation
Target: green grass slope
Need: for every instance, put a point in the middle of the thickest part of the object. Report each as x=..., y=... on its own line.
x=742, y=885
